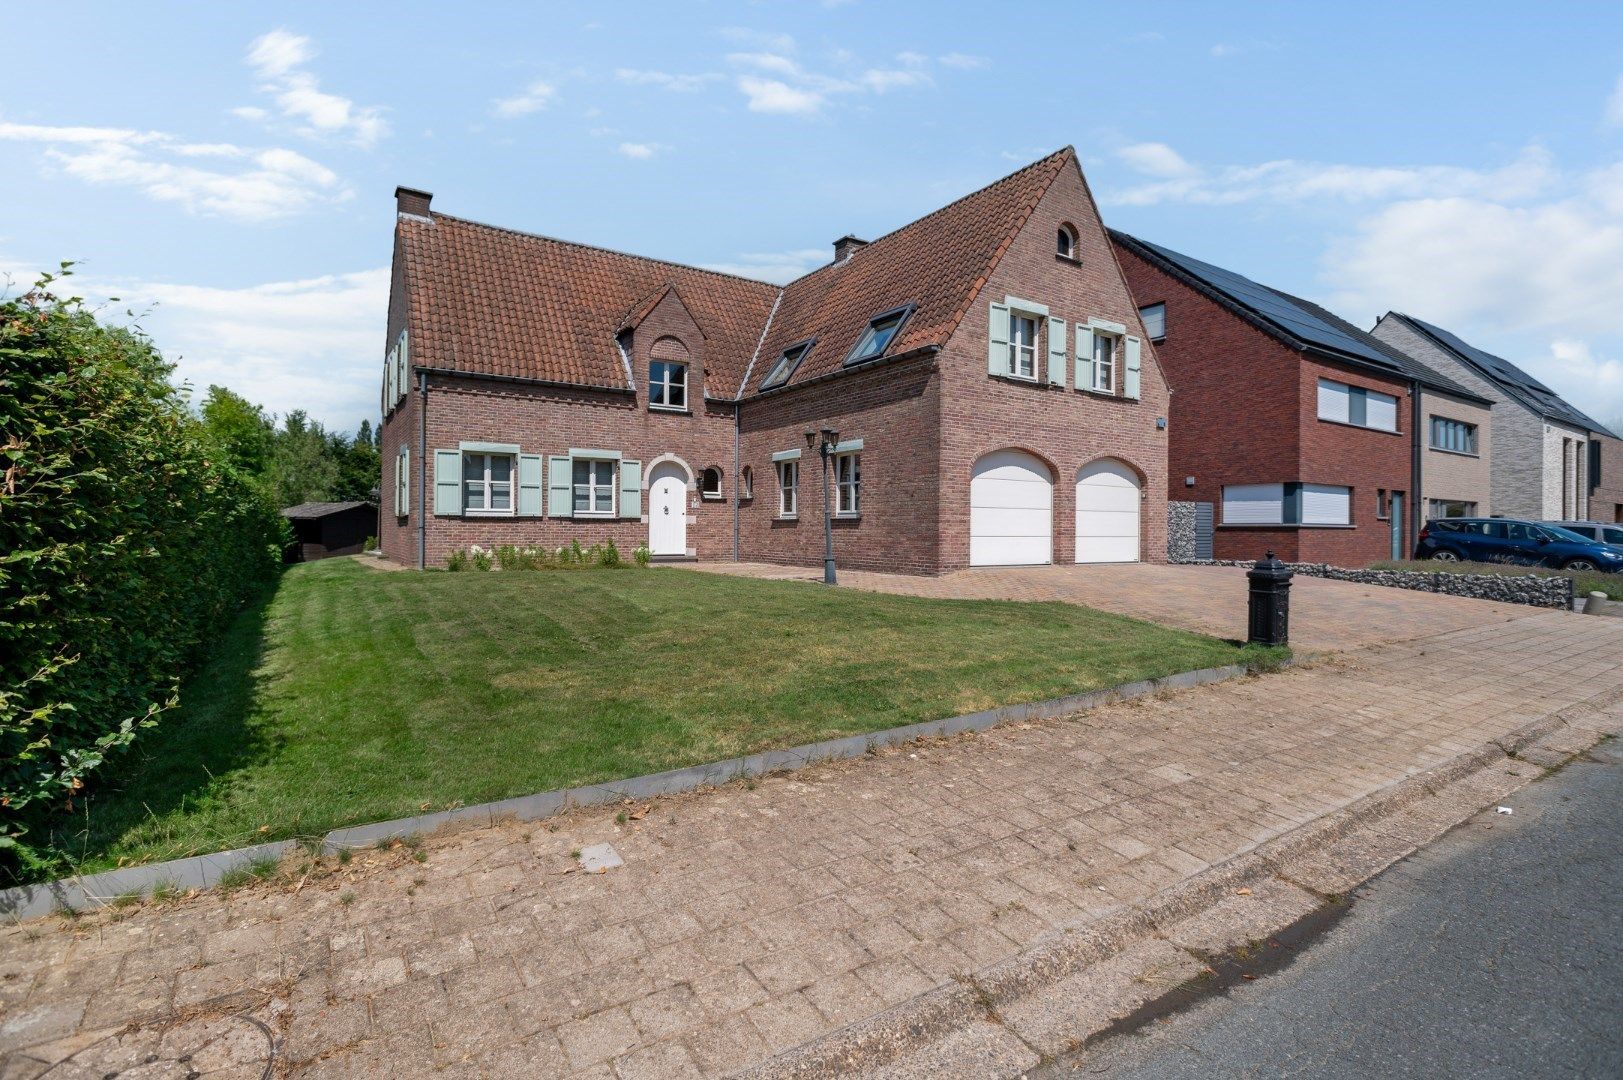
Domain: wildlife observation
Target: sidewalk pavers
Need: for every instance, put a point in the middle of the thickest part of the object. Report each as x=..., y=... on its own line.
x=748, y=920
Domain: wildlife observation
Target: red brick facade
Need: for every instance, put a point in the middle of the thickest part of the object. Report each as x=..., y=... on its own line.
x=924, y=415
x=1235, y=420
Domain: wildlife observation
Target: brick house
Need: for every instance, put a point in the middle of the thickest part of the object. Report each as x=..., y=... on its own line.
x=1547, y=453
x=1606, y=478
x=995, y=399
x=1295, y=430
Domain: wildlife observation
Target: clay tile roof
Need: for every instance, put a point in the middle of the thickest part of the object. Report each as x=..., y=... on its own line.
x=491, y=301
x=487, y=300
x=938, y=263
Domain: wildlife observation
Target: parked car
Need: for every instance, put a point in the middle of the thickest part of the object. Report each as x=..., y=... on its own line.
x=1503, y=540
x=1606, y=533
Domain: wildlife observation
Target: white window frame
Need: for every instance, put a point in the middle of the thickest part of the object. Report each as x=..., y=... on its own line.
x=593, y=487
x=715, y=492
x=1016, y=346
x=1336, y=393
x=1065, y=236
x=746, y=483
x=1104, y=371
x=788, y=488
x=666, y=385
x=487, y=486
x=848, y=484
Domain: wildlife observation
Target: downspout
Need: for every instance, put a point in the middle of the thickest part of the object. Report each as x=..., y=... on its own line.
x=1415, y=451
x=737, y=420
x=422, y=470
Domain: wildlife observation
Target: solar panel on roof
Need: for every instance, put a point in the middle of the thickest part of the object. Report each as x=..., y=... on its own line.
x=1275, y=308
x=1512, y=377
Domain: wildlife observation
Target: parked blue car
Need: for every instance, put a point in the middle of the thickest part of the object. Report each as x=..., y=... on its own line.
x=1502, y=540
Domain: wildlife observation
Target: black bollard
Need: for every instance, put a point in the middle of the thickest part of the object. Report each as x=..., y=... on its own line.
x=1270, y=602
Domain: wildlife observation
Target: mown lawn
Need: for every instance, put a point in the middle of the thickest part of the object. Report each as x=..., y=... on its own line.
x=356, y=695
x=1584, y=582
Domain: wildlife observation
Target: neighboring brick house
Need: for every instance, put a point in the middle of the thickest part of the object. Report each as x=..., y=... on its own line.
x=1606, y=478
x=984, y=366
x=1544, y=449
x=1295, y=427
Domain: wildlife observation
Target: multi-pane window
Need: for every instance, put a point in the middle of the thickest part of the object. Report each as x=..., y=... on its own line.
x=1154, y=317
x=710, y=483
x=667, y=385
x=1450, y=508
x=594, y=486
x=847, y=483
x=788, y=488
x=1287, y=504
x=1022, y=346
x=487, y=483
x=1453, y=435
x=1104, y=363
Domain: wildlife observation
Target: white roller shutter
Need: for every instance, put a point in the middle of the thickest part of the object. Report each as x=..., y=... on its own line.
x=1326, y=504
x=1254, y=504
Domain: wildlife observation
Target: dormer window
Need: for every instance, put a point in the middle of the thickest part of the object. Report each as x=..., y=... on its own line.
x=787, y=363
x=668, y=385
x=882, y=329
x=1065, y=242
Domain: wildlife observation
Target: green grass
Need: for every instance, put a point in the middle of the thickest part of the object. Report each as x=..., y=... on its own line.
x=1583, y=582
x=355, y=695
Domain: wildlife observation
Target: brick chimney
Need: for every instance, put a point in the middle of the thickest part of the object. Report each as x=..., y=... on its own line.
x=846, y=246
x=411, y=201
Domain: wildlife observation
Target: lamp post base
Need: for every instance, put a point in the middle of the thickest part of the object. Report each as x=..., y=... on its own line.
x=828, y=572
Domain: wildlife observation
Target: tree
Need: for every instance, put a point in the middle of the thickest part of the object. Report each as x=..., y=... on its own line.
x=303, y=467
x=239, y=428
x=358, y=468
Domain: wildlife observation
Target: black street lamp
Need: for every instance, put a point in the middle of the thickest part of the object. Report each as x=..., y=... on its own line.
x=825, y=449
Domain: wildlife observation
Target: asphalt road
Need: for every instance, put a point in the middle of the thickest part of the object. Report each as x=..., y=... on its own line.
x=1496, y=952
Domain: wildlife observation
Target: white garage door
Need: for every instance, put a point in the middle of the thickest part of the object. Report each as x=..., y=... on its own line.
x=1107, y=505
x=1011, y=511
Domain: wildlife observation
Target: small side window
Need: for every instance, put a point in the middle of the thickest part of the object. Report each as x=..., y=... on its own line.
x=710, y=483
x=1154, y=317
x=1065, y=242
x=746, y=483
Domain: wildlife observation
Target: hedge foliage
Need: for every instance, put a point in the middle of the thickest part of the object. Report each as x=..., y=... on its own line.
x=125, y=543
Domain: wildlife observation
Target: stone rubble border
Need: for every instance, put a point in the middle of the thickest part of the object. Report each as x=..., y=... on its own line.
x=86, y=892
x=925, y=1025
x=1534, y=590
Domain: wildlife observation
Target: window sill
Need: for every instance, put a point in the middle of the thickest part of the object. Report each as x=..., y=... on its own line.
x=683, y=410
x=1027, y=380
x=488, y=513
x=1069, y=260
x=1281, y=525
x=1099, y=393
x=592, y=514
x=1357, y=427
x=707, y=497
x=1455, y=453
x=848, y=517
x=787, y=517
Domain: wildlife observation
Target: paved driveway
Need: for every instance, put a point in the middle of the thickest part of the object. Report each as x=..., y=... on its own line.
x=1325, y=615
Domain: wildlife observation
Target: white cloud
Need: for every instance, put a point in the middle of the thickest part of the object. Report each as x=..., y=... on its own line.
x=279, y=58
x=681, y=84
x=1155, y=159
x=240, y=182
x=912, y=59
x=772, y=96
x=313, y=343
x=778, y=266
x=532, y=98
x=758, y=39
x=251, y=112
x=1614, y=105
x=963, y=61
x=640, y=151
x=1287, y=180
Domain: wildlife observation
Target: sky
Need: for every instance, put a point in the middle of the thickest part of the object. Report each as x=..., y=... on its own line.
x=227, y=171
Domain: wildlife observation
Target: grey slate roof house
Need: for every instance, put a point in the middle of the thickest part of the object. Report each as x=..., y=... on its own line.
x=1547, y=453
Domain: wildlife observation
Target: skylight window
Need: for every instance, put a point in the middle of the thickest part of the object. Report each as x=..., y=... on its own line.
x=882, y=329
x=787, y=363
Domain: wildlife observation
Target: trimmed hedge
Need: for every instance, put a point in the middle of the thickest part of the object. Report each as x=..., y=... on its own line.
x=125, y=543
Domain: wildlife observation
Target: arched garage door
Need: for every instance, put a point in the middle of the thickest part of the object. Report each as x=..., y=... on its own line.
x=1011, y=511
x=1107, y=510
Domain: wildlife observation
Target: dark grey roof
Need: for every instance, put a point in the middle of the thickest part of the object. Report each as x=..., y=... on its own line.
x=1515, y=382
x=1298, y=323
x=310, y=510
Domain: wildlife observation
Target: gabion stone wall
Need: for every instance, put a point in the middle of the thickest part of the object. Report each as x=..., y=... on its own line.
x=1535, y=590
x=1181, y=532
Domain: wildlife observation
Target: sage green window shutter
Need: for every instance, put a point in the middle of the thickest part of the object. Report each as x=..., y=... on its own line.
x=630, y=489
x=448, y=483
x=529, y=485
x=1129, y=383
x=402, y=481
x=560, y=487
x=1057, y=352
x=1084, y=357
x=997, y=345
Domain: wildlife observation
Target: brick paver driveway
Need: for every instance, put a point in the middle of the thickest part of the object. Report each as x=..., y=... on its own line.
x=751, y=918
x=1325, y=615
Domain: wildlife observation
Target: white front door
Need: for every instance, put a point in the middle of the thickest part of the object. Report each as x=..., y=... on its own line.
x=1107, y=505
x=667, y=510
x=1011, y=511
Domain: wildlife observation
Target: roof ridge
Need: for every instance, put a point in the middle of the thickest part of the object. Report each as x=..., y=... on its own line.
x=876, y=241
x=1059, y=157
x=605, y=250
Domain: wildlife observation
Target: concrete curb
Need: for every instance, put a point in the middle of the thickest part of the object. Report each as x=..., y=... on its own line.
x=911, y=1026
x=205, y=871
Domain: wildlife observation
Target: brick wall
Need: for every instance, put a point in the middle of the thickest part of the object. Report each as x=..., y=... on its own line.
x=1606, y=501
x=1245, y=411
